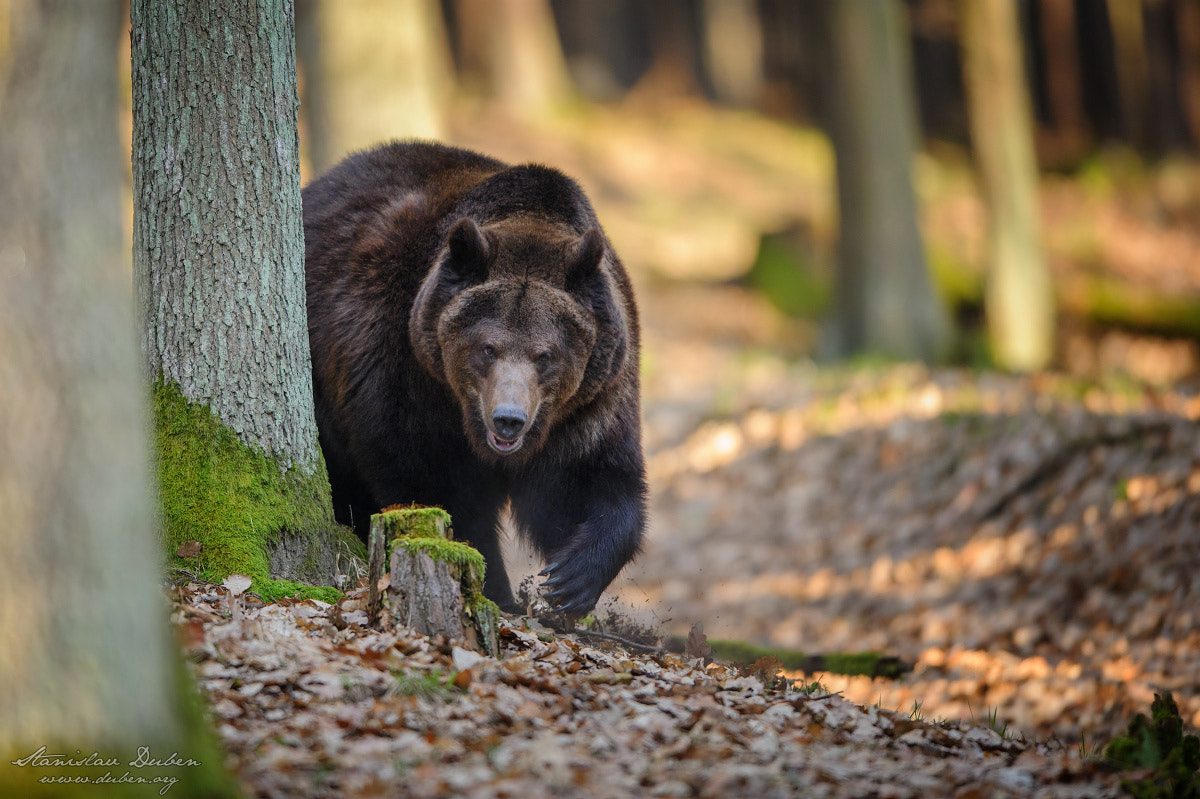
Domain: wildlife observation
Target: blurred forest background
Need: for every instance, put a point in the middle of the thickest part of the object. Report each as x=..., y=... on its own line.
x=988, y=183
x=920, y=290
x=706, y=132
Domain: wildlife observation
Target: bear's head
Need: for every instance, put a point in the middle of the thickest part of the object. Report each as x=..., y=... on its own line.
x=520, y=318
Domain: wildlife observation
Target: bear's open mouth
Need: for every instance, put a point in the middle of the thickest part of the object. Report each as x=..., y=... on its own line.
x=503, y=446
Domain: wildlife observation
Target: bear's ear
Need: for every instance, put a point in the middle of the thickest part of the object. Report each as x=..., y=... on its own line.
x=469, y=252
x=583, y=260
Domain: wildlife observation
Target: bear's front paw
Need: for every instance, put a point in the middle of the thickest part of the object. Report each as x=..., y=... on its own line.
x=574, y=585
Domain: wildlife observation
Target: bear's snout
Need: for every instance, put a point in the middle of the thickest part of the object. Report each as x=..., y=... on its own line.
x=510, y=404
x=508, y=421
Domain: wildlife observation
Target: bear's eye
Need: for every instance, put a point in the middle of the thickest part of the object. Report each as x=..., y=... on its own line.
x=543, y=359
x=489, y=352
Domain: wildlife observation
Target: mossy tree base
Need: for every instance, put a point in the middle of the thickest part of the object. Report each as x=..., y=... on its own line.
x=250, y=514
x=436, y=583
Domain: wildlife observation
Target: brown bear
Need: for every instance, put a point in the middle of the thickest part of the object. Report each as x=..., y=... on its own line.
x=475, y=346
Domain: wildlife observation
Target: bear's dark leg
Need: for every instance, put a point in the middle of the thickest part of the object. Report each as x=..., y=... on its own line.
x=352, y=503
x=476, y=517
x=587, y=529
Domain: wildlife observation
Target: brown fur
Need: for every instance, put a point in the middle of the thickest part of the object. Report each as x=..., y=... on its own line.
x=475, y=344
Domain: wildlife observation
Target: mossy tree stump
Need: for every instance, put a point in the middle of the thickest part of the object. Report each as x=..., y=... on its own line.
x=436, y=582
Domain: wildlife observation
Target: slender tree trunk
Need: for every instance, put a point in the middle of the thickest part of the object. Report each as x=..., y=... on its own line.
x=515, y=44
x=87, y=662
x=675, y=60
x=1133, y=70
x=733, y=50
x=5, y=43
x=315, y=141
x=388, y=71
x=1019, y=299
x=219, y=270
x=1166, y=124
x=1187, y=25
x=1064, y=86
x=885, y=300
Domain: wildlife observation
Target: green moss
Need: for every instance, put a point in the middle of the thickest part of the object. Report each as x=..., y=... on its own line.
x=486, y=615
x=1158, y=744
x=298, y=590
x=234, y=499
x=870, y=664
x=466, y=560
x=788, y=274
x=416, y=522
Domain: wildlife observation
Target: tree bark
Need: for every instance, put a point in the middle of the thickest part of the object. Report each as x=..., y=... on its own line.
x=1019, y=297
x=436, y=583
x=885, y=302
x=218, y=242
x=219, y=272
x=87, y=661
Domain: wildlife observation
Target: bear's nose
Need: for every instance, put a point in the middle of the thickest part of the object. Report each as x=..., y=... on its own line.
x=509, y=421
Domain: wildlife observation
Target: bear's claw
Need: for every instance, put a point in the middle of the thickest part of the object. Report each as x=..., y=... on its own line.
x=567, y=593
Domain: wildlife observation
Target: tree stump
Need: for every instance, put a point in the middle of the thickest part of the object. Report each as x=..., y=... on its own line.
x=436, y=582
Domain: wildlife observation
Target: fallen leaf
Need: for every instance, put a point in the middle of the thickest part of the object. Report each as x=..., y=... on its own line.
x=237, y=583
x=697, y=642
x=465, y=659
x=189, y=550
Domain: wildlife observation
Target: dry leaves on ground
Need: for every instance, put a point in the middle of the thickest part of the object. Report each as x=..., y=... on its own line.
x=308, y=705
x=1032, y=549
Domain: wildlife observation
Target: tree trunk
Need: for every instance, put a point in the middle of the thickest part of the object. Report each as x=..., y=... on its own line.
x=675, y=62
x=1133, y=71
x=1187, y=26
x=5, y=43
x=1064, y=86
x=388, y=72
x=733, y=51
x=219, y=271
x=1019, y=298
x=1166, y=125
x=516, y=43
x=436, y=584
x=315, y=140
x=885, y=301
x=87, y=663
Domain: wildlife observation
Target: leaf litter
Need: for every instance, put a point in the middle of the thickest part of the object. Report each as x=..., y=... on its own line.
x=307, y=706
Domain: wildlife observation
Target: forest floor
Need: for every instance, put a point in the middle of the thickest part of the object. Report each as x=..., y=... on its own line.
x=1028, y=544
x=309, y=702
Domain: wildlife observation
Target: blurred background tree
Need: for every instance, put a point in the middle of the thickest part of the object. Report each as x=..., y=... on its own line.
x=79, y=580
x=1019, y=298
x=884, y=300
x=371, y=71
